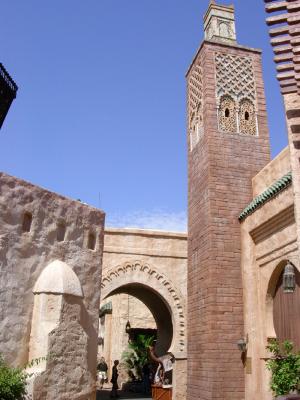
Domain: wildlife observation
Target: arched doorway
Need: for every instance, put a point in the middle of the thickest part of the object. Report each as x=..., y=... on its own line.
x=158, y=308
x=159, y=294
x=164, y=301
x=286, y=309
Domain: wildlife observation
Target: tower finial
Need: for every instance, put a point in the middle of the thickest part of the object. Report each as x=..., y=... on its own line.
x=219, y=23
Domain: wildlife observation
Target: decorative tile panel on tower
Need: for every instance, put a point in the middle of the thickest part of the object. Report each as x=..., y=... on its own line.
x=232, y=147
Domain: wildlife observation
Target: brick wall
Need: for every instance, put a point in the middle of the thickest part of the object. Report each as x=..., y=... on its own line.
x=220, y=169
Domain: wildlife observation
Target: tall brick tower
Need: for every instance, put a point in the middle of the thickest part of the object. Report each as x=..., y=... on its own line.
x=228, y=143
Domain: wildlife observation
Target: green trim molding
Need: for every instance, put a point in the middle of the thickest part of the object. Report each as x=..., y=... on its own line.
x=267, y=195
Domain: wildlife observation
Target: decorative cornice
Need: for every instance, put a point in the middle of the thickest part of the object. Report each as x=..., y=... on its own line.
x=267, y=195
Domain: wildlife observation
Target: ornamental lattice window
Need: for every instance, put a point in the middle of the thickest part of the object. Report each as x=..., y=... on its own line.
x=236, y=94
x=247, y=117
x=227, y=115
x=235, y=76
x=195, y=105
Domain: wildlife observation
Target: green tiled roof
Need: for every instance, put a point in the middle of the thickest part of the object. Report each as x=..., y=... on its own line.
x=267, y=195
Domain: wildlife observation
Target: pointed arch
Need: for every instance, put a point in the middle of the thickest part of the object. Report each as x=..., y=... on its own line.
x=247, y=117
x=227, y=114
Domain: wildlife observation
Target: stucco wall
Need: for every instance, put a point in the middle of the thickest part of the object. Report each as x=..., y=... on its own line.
x=269, y=239
x=167, y=251
x=274, y=170
x=24, y=255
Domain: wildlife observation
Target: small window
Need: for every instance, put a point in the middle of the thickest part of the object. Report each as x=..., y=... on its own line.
x=247, y=117
x=91, y=241
x=61, y=232
x=227, y=113
x=27, y=220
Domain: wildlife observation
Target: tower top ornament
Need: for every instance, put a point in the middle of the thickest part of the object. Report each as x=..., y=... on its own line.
x=219, y=23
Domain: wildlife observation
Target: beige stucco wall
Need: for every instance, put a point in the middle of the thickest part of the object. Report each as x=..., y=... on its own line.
x=72, y=337
x=274, y=170
x=157, y=261
x=166, y=250
x=269, y=238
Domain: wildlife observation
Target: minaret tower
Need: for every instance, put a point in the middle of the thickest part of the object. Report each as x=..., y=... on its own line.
x=228, y=143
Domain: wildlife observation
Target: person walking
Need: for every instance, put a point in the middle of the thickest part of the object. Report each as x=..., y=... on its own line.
x=146, y=378
x=114, y=380
x=102, y=372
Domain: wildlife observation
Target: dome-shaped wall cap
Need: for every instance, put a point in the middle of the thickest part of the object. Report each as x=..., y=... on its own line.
x=59, y=278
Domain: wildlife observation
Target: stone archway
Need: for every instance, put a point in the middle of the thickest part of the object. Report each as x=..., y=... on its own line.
x=165, y=302
x=137, y=273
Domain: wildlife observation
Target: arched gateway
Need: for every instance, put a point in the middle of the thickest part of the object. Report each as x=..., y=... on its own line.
x=149, y=267
x=159, y=294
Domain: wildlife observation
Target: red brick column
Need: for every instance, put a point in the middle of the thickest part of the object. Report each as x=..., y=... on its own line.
x=220, y=169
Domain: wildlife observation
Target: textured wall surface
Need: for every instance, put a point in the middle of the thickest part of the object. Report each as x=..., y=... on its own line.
x=221, y=167
x=273, y=171
x=24, y=255
x=70, y=368
x=269, y=239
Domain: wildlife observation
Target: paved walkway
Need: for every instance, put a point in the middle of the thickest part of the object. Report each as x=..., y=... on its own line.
x=104, y=395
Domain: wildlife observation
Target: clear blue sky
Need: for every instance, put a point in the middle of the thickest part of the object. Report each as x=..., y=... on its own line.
x=100, y=112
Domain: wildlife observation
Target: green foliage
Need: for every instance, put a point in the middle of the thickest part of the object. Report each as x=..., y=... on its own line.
x=284, y=366
x=12, y=382
x=137, y=355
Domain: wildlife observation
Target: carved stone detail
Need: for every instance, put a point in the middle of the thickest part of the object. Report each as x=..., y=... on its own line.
x=195, y=105
x=235, y=76
x=226, y=29
x=227, y=115
x=236, y=94
x=219, y=23
x=247, y=117
x=138, y=272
